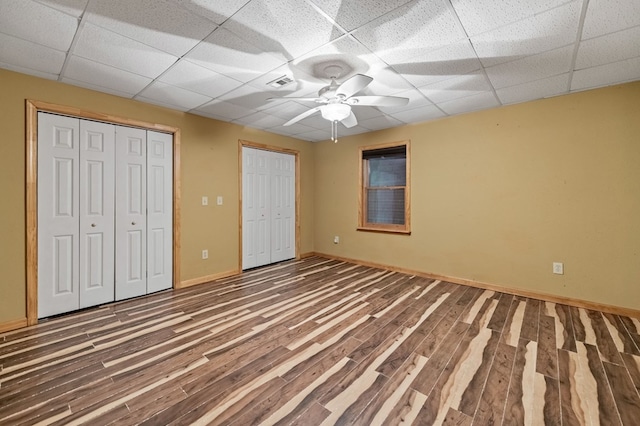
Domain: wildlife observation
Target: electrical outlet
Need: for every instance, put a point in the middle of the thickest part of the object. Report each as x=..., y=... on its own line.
x=336, y=240
x=205, y=254
x=205, y=201
x=219, y=200
x=558, y=268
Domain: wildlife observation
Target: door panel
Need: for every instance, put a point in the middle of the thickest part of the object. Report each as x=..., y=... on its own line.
x=131, y=206
x=97, y=213
x=283, y=210
x=255, y=208
x=159, y=211
x=58, y=214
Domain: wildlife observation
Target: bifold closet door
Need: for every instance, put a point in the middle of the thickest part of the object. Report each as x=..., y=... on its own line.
x=97, y=213
x=159, y=211
x=256, y=208
x=268, y=207
x=283, y=206
x=131, y=214
x=75, y=222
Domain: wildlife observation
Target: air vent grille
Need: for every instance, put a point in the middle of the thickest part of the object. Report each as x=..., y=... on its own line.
x=280, y=81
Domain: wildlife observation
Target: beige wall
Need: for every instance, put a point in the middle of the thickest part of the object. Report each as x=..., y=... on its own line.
x=209, y=167
x=499, y=195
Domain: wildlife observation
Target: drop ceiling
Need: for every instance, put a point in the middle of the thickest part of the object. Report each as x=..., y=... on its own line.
x=216, y=58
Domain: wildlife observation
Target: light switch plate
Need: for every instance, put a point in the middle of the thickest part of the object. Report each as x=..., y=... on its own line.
x=205, y=201
x=219, y=200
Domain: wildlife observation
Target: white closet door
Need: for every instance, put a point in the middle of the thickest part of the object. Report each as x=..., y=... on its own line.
x=131, y=212
x=159, y=211
x=283, y=188
x=58, y=211
x=256, y=210
x=97, y=154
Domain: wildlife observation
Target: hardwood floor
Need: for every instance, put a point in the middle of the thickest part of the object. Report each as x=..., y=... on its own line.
x=320, y=341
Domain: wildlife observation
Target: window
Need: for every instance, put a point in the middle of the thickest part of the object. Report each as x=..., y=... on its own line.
x=384, y=188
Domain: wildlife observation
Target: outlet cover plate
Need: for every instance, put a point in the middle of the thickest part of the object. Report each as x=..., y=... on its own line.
x=558, y=268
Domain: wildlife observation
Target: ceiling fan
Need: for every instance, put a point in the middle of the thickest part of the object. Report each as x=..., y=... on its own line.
x=337, y=99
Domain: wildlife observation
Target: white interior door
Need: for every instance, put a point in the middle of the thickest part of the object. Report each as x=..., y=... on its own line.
x=131, y=213
x=268, y=207
x=159, y=211
x=97, y=210
x=58, y=214
x=283, y=188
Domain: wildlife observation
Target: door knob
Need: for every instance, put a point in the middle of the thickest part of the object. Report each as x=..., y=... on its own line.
x=93, y=225
x=133, y=223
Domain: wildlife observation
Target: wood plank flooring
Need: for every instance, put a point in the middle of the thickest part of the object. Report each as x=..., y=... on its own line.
x=323, y=342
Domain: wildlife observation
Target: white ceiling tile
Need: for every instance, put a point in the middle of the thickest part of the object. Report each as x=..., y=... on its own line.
x=99, y=75
x=609, y=48
x=355, y=130
x=366, y=112
x=531, y=68
x=37, y=23
x=416, y=100
x=214, y=10
x=223, y=110
x=121, y=52
x=315, y=136
x=97, y=88
x=317, y=122
x=156, y=23
x=538, y=89
x=351, y=15
x=249, y=97
x=303, y=84
x=172, y=95
x=292, y=130
x=32, y=56
x=70, y=7
x=227, y=54
x=28, y=71
x=457, y=87
x=379, y=123
x=346, y=51
x=418, y=115
x=160, y=103
x=479, y=16
x=287, y=109
x=539, y=33
x=470, y=103
x=269, y=25
x=195, y=78
x=607, y=16
x=260, y=120
x=458, y=58
x=415, y=27
x=605, y=75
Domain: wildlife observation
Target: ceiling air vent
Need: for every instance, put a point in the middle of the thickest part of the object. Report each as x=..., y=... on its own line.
x=280, y=81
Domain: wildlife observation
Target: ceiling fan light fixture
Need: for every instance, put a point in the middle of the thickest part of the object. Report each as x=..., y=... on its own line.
x=335, y=112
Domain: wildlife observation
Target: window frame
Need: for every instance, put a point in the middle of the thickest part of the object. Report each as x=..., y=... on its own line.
x=363, y=225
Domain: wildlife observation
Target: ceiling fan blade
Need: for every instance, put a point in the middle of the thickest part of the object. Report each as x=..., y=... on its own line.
x=301, y=116
x=353, y=85
x=296, y=99
x=350, y=121
x=386, y=101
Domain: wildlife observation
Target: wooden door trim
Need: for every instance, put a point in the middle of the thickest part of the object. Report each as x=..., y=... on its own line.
x=32, y=109
x=265, y=147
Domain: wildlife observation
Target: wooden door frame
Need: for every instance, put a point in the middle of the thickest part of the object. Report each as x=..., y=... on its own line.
x=264, y=147
x=33, y=107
